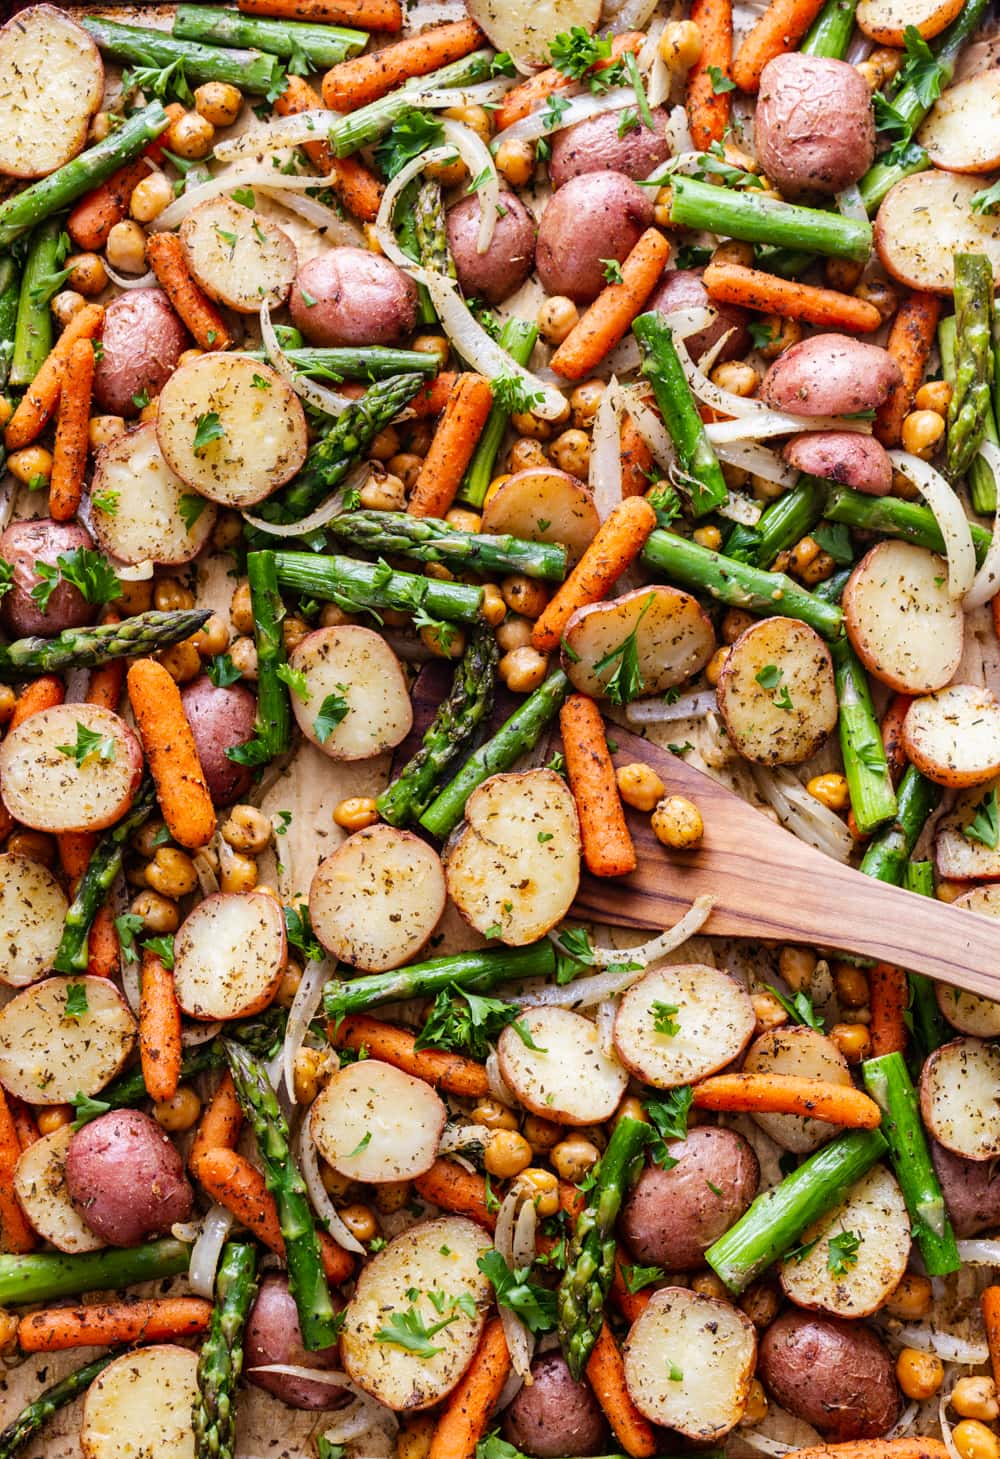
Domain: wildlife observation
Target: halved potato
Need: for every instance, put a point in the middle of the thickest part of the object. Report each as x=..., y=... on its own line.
x=544, y=505
x=776, y=692
x=902, y=622
x=674, y=639
x=953, y=736
x=143, y=1404
x=49, y=1055
x=960, y=857
x=885, y=21
x=526, y=28
x=712, y=1013
x=924, y=221
x=874, y=1211
x=377, y=899
x=353, y=673
x=32, y=911
x=257, y=423
x=229, y=955
x=436, y=1257
x=40, y=1183
x=689, y=1361
x=154, y=516
x=969, y=1012
x=239, y=258
x=795, y=1049
x=962, y=131
x=566, y=1077
x=513, y=867
x=958, y=1097
x=51, y=83
x=374, y=1123
x=53, y=781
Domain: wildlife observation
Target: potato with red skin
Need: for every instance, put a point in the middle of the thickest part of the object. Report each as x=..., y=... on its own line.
x=599, y=144
x=43, y=540
x=830, y=374
x=352, y=297
x=554, y=1415
x=220, y=718
x=683, y=289
x=835, y=1375
x=814, y=128
x=141, y=341
x=503, y=268
x=971, y=1191
x=846, y=457
x=595, y=217
x=273, y=1335
x=126, y=1179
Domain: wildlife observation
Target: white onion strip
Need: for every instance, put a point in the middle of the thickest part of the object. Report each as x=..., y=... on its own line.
x=329, y=401
x=518, y=1338
x=946, y=1345
x=308, y=997
x=291, y=131
x=980, y=1253
x=224, y=182
x=383, y=221
x=206, y=1251
x=984, y=584
x=650, y=427
x=693, y=921
x=659, y=711
x=949, y=515
x=326, y=220
x=605, y=471
x=144, y=281
x=325, y=512
x=801, y=814
x=538, y=123
x=478, y=159
x=758, y=460
x=318, y=1195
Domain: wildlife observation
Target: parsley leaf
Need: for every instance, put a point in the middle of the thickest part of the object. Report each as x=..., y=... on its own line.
x=988, y=200
x=163, y=948
x=612, y=271
x=414, y=132
x=296, y=681
x=208, y=428
x=106, y=502
x=843, y=1253
x=632, y=67
x=244, y=196
x=362, y=1144
x=85, y=569
x=799, y=1009
x=466, y=1023
x=720, y=83
x=573, y=52
x=985, y=824
x=554, y=109
x=637, y=1277
x=511, y=395
x=298, y=928
x=76, y=1001
x=89, y=742
x=252, y=752
x=127, y=926
x=669, y=1117
x=408, y=1330
x=663, y=1020
x=770, y=677
x=835, y=539
x=628, y=120
x=333, y=709
x=257, y=382
x=191, y=506
x=222, y=671
x=692, y=255
x=533, y=1304
x=626, y=683
x=800, y=1252
x=6, y=576
x=674, y=1374
x=761, y=333
x=87, y=1109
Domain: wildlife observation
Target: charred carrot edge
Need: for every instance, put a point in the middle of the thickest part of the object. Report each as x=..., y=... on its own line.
x=527, y=95
x=42, y=693
x=789, y=1094
x=733, y=283
x=892, y=734
x=618, y=543
x=607, y=845
x=889, y=993
x=397, y=1046
x=612, y=312
x=451, y=449
x=69, y=455
x=910, y=341
x=606, y=1375
x=990, y=1305
x=708, y=111
x=159, y=1030
x=97, y=212
x=365, y=14
x=779, y=29
x=165, y=256
x=170, y=750
x=15, y=1229
x=358, y=189
x=631, y=1305
x=457, y=1191
x=469, y=1407
x=220, y=1124
x=39, y=401
x=75, y=851
x=874, y=1449
x=154, y=1319
x=432, y=398
x=636, y=459
x=24, y=1122
x=364, y=79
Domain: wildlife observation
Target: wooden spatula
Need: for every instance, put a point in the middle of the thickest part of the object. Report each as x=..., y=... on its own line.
x=769, y=884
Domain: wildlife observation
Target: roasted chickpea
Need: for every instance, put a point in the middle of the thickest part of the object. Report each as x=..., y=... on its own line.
x=293, y=631
x=709, y=537
x=934, y=395
x=415, y=1437
x=540, y=1187
x=639, y=785
x=949, y=891
x=918, y=1374
x=100, y=126
x=247, y=829
x=734, y=251
x=355, y=813
x=911, y=1298
x=218, y=103
x=631, y=1109
x=150, y=196
x=392, y=1195
x=523, y=595
x=65, y=306
x=33, y=846
x=171, y=596
x=180, y=1112
x=852, y=1039
x=182, y=661
x=584, y=402
x=677, y=823
x=707, y=1284
x=976, y=1397
x=228, y=528
x=881, y=294
x=715, y=665
x=171, y=873
x=680, y=45
x=9, y=1327
x=922, y=433
x=663, y=208
x=54, y=1118
x=150, y=411
x=541, y=1134
x=974, y=1440
x=843, y=275
x=530, y=425
x=493, y=609
x=803, y=553
x=523, y=669
x=190, y=136
x=406, y=468
x=464, y=520
x=360, y=1220
x=6, y=410
x=850, y=985
x=514, y=633
x=126, y=247
x=8, y=700
x=736, y=376
x=213, y=638
x=784, y=334
x=516, y=162
x=797, y=966
x=289, y=986
x=444, y=640
x=557, y=317
x=239, y=874
x=336, y=1185
x=476, y=118
x=310, y=1068
x=507, y=1154
x=821, y=567
x=433, y=344
x=768, y=1012
x=525, y=453
x=494, y=1115
x=448, y=174
x=333, y=616
x=760, y=1303
x=573, y=1157
x=31, y=463
x=103, y=429
x=159, y=915
x=243, y=652
x=383, y=492
x=734, y=622
x=830, y=790
x=755, y=1411
x=571, y=452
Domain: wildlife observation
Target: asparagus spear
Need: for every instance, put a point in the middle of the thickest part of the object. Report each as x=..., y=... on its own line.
x=405, y=224
x=450, y=733
x=929, y=1030
x=33, y=331
x=429, y=540
x=313, y=47
x=881, y=177
x=873, y=799
x=788, y=519
x=43, y=1276
x=10, y=291
x=220, y=1361
x=474, y=972
x=518, y=734
x=306, y=1278
x=700, y=471
x=759, y=219
x=366, y=362
x=86, y=648
x=886, y=856
x=894, y=517
x=252, y=71
x=831, y=31
x=517, y=337
x=41, y=199
x=831, y=590
x=274, y=706
x=366, y=586
x=366, y=125
x=590, y=1257
x=778, y=1217
x=40, y=1410
x=429, y=229
x=971, y=403
x=982, y=487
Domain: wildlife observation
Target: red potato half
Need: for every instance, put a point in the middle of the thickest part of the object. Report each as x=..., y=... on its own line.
x=594, y=217
x=374, y=1123
x=40, y=1184
x=843, y=456
x=958, y=1097
x=959, y=857
x=154, y=516
x=813, y=126
x=33, y=909
x=962, y=131
x=229, y=955
x=142, y=1404
x=566, y=1076
x=830, y=374
x=126, y=1177
x=239, y=258
x=901, y=620
x=544, y=505
x=141, y=341
x=552, y=1414
x=51, y=84
x=776, y=692
x=713, y=1020
x=673, y=635
x=836, y=1375
x=350, y=296
x=273, y=1336
x=25, y=546
x=795, y=1049
x=355, y=667
x=885, y=21
x=55, y=778
x=48, y=1056
x=953, y=736
x=924, y=221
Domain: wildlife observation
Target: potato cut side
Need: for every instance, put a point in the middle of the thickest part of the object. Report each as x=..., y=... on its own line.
x=953, y=736
x=901, y=621
x=962, y=132
x=32, y=912
x=689, y=1362
x=544, y=505
x=885, y=21
x=229, y=955
x=51, y=83
x=566, y=1076
x=969, y=1012
x=254, y=418
x=49, y=1055
x=855, y=1255
x=377, y=899
x=527, y=27
x=374, y=1123
x=142, y=1405
x=359, y=703
x=53, y=781
x=960, y=857
x=777, y=693
x=40, y=1183
x=436, y=1257
x=924, y=221
x=513, y=867
x=958, y=1097
x=239, y=258
x=673, y=640
x=809, y=1054
x=153, y=515
x=705, y=1021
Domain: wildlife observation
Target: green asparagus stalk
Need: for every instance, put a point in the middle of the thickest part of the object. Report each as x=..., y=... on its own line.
x=220, y=1361
x=274, y=705
x=982, y=487
x=929, y=1029
x=98, y=879
x=366, y=125
x=590, y=1258
x=405, y=224
x=359, y=587
x=86, y=648
x=698, y=464
x=44, y=1276
x=889, y=1084
x=37, y=1413
x=429, y=540
x=830, y=32
x=873, y=799
x=788, y=519
x=429, y=225
x=758, y=219
x=10, y=293
x=881, y=177
x=777, y=1218
x=886, y=856
x=253, y=71
x=894, y=517
x=449, y=734
x=971, y=397
x=472, y=972
x=517, y=337
x=365, y=362
x=831, y=590
x=33, y=332
x=310, y=47
x=517, y=735
x=41, y=199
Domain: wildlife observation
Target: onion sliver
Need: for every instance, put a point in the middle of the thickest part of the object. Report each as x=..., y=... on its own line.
x=801, y=814
x=693, y=921
x=318, y=1195
x=329, y=401
x=948, y=514
x=758, y=460
x=224, y=182
x=323, y=218
x=308, y=997
x=984, y=584
x=605, y=471
x=291, y=131
x=144, y=281
x=659, y=711
x=478, y=159
x=325, y=512
x=538, y=123
x=206, y=1251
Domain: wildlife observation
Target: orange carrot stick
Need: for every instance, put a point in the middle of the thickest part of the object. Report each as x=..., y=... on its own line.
x=708, y=110
x=733, y=283
x=529, y=95
x=892, y=734
x=165, y=256
x=779, y=29
x=469, y=1407
x=990, y=1305
x=451, y=449
x=398, y=1047
x=432, y=398
x=631, y=1305
x=16, y=1231
x=636, y=459
x=69, y=456
x=916, y=1448
x=220, y=1124
x=606, y=1375
x=38, y=402
x=457, y=1191
x=607, y=845
x=889, y=994
x=911, y=339
x=612, y=312
x=158, y=1319
x=24, y=1122
x=159, y=1030
x=365, y=14
x=170, y=749
x=789, y=1094
x=618, y=543
x=363, y=79
x=358, y=189
x=97, y=212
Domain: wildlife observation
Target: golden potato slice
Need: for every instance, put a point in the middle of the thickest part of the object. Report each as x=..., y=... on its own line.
x=673, y=640
x=63, y=1037
x=55, y=778
x=239, y=258
x=526, y=28
x=953, y=736
x=962, y=131
x=143, y=1404
x=924, y=221
x=795, y=1049
x=566, y=1076
x=712, y=1021
x=149, y=513
x=358, y=702
x=902, y=622
x=544, y=505
x=40, y=1183
x=374, y=1123
x=32, y=911
x=229, y=955
x=970, y=1012
x=960, y=857
x=885, y=21
x=958, y=1097
x=777, y=693
x=51, y=83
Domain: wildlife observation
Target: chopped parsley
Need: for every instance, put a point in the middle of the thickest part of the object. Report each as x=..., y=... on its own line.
x=533, y=1304
x=208, y=428
x=332, y=711
x=626, y=682
x=843, y=1251
x=985, y=824
x=76, y=1001
x=89, y=742
x=669, y=1117
x=663, y=1018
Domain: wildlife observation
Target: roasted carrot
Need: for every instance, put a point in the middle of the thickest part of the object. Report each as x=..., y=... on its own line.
x=159, y=1029
x=16, y=1231
x=165, y=256
x=42, y=693
x=636, y=459
x=451, y=449
x=94, y=216
x=631, y=1305
x=889, y=993
x=733, y=283
x=358, y=189
x=990, y=1305
x=397, y=1046
x=778, y=30
x=892, y=734
x=618, y=543
x=606, y=1375
x=75, y=851
x=612, y=312
x=432, y=398
x=220, y=1124
x=170, y=750
x=910, y=341
x=528, y=95
x=69, y=455
x=469, y=1407
x=156, y=1319
x=365, y=14
x=917, y=1448
x=24, y=1122
x=363, y=79
x=789, y=1094
x=707, y=109
x=607, y=845
x=457, y=1191
x=38, y=403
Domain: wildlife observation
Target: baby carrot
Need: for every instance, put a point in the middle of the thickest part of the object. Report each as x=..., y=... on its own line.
x=611, y=313
x=165, y=256
x=15, y=1229
x=159, y=1029
x=789, y=1094
x=528, y=95
x=220, y=1124
x=910, y=341
x=460, y=1192
x=733, y=283
x=915, y=1448
x=69, y=456
x=364, y=14
x=451, y=449
x=358, y=189
x=607, y=845
x=990, y=1304
x=778, y=30
x=397, y=1046
x=24, y=1122
x=432, y=398
x=469, y=1407
x=892, y=734
x=355, y=83
x=631, y=1305
x=157, y=1319
x=97, y=212
x=170, y=750
x=889, y=995
x=38, y=403
x=636, y=459
x=606, y=1375
x=708, y=109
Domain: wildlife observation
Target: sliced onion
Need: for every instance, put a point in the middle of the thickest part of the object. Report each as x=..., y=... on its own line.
x=678, y=132
x=194, y=1034
x=851, y=204
x=980, y=1253
x=650, y=427
x=479, y=160
x=801, y=814
x=987, y=579
x=605, y=472
x=946, y=1345
x=758, y=460
x=480, y=93
x=658, y=711
x=525, y=1234
x=8, y=496
x=624, y=358
x=538, y=123
x=330, y=401
x=945, y=1423
x=208, y=882
x=295, y=1370
x=693, y=921
x=498, y=1085
x=130, y=984
x=518, y=1338
x=905, y=1421
x=737, y=508
x=308, y=997
x=633, y=15
x=207, y=1249
x=259, y=176
x=325, y=512
x=125, y=281
x=605, y=1021
x=949, y=515
x=765, y=1443
x=363, y=1418
x=305, y=1149
x=460, y=1137
x=292, y=131
x=324, y=219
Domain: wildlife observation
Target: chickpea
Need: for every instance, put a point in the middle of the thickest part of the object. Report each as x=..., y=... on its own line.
x=243, y=652
x=360, y=1220
x=218, y=103
x=495, y=486
x=881, y=294
x=415, y=1437
x=228, y=527
x=33, y=846
x=934, y=395
x=805, y=551
x=464, y=520
x=493, y=610
x=31, y=463
x=677, y=822
x=976, y=1398
x=507, y=1154
x=476, y=118
x=383, y=492
x=372, y=242
x=65, y=306
x=557, y=317
x=974, y=1440
x=171, y=873
x=9, y=1327
x=768, y=1012
x=573, y=1157
x=663, y=208
x=639, y=785
x=392, y=1195
x=922, y=433
x=784, y=334
x=293, y=631
x=949, y=891
x=526, y=453
x=448, y=174
x=523, y=669
x=239, y=874
x=881, y=66
x=182, y=661
x=584, y=402
x=310, y=1067
x=760, y=1303
x=289, y=986
x=680, y=45
x=247, y=829
x=707, y=1284
x=527, y=424
x=514, y=633
x=100, y=126
x=8, y=700
x=171, y=595
x=444, y=640
x=715, y=665
x=523, y=595
x=755, y=1411
x=159, y=914
x=213, y=638
x=850, y=985
x=355, y=813
x=331, y=616
x=126, y=247
x=190, y=136
x=406, y=468
x=516, y=162
x=180, y=1112
x=830, y=790
x=911, y=1298
x=571, y=452
x=439, y=572
x=494, y=1115
x=852, y=1039
x=542, y=1135
x=736, y=376
x=541, y=1188
x=433, y=344
x=6, y=410
x=54, y=1118
x=709, y=537
x=103, y=429
x=818, y=570
x=336, y=1185
x=150, y=197
x=631, y=1109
